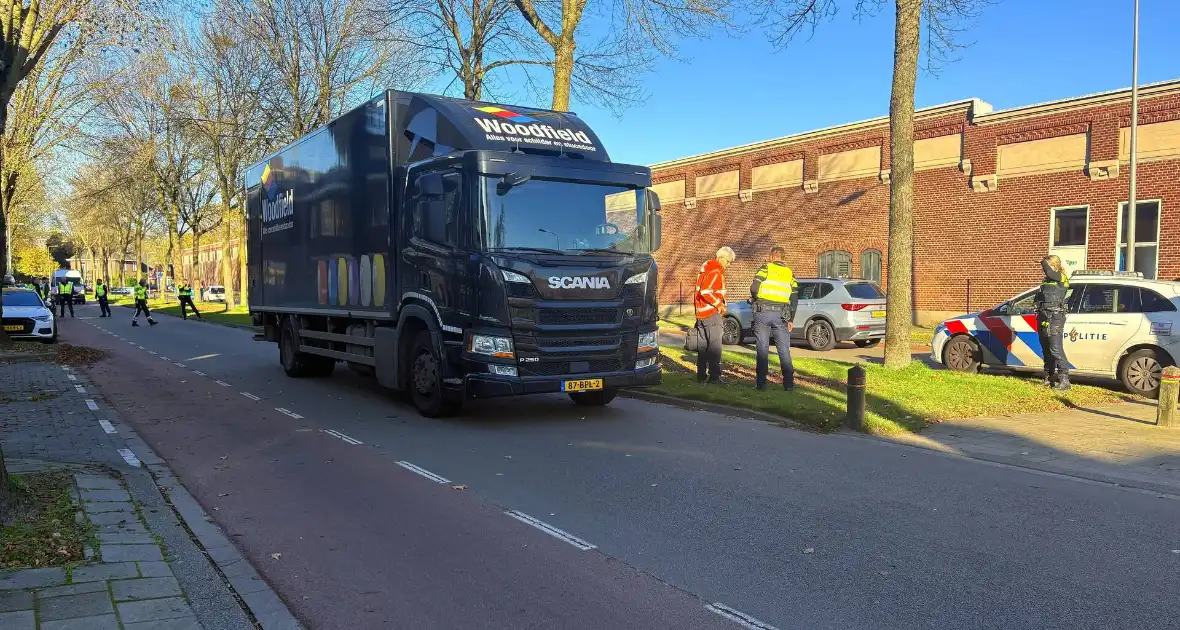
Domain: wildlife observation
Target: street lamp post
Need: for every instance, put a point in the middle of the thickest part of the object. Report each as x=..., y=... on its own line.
x=1131, y=209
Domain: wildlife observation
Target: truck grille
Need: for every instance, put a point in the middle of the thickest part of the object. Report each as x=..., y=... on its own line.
x=556, y=368
x=631, y=291
x=576, y=316
x=25, y=323
x=521, y=290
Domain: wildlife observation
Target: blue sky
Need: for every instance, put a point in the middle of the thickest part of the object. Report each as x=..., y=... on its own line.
x=732, y=91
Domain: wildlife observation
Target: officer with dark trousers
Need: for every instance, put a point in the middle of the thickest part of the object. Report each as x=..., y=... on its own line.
x=100, y=294
x=141, y=305
x=185, y=293
x=65, y=296
x=775, y=296
x=1050, y=305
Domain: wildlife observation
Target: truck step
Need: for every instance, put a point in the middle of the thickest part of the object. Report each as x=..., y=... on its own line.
x=259, y=337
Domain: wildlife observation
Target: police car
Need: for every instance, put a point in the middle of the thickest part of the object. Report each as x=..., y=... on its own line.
x=1118, y=325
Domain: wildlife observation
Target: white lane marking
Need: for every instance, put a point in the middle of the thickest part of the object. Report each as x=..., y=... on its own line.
x=107, y=426
x=179, y=364
x=289, y=413
x=198, y=373
x=422, y=471
x=337, y=434
x=149, y=351
x=222, y=383
x=65, y=368
x=129, y=457
x=81, y=390
x=71, y=377
x=249, y=395
x=133, y=343
x=739, y=617
x=91, y=405
x=164, y=358
x=551, y=530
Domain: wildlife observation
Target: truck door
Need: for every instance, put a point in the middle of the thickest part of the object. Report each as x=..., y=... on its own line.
x=432, y=250
x=1105, y=319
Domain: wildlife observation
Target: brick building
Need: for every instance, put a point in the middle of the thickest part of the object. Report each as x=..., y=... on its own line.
x=994, y=191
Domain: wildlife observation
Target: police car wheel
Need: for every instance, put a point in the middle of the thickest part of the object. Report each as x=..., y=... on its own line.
x=1141, y=372
x=961, y=354
x=731, y=333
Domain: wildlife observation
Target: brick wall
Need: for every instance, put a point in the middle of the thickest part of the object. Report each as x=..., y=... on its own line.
x=995, y=239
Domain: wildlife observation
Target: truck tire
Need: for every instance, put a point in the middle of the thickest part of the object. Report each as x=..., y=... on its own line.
x=426, y=386
x=599, y=398
x=300, y=364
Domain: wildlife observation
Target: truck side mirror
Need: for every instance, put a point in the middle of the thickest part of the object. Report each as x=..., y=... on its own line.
x=653, y=200
x=657, y=221
x=431, y=185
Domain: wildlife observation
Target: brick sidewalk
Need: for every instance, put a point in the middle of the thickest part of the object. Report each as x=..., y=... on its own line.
x=147, y=571
x=1118, y=443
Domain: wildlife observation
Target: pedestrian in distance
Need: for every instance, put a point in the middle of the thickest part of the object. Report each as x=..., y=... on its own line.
x=65, y=296
x=100, y=294
x=709, y=300
x=1050, y=307
x=184, y=292
x=141, y=305
x=45, y=290
x=774, y=294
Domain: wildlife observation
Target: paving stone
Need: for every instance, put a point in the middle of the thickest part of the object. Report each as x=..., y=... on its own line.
x=154, y=610
x=225, y=553
x=105, y=495
x=97, y=482
x=129, y=553
x=263, y=602
x=105, y=571
x=184, y=623
x=155, y=569
x=71, y=606
x=16, y=600
x=145, y=588
x=100, y=507
x=129, y=527
x=98, y=622
x=72, y=589
x=112, y=518
x=237, y=568
x=278, y=620
x=248, y=584
x=20, y=620
x=32, y=578
x=125, y=538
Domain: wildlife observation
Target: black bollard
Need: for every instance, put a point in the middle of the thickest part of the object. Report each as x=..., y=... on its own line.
x=856, y=398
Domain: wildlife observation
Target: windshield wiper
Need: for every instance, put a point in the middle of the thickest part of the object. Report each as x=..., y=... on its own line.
x=536, y=250
x=604, y=250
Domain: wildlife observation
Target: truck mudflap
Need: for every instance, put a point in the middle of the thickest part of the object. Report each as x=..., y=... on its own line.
x=492, y=386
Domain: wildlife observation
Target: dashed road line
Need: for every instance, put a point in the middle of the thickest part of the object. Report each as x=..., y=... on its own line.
x=71, y=377
x=80, y=389
x=198, y=373
x=250, y=396
x=222, y=383
x=91, y=405
x=107, y=426
x=129, y=457
x=165, y=358
x=739, y=617
x=288, y=412
x=337, y=434
x=422, y=471
x=179, y=364
x=551, y=530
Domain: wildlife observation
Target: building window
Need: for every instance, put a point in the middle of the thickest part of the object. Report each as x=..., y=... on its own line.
x=870, y=265
x=835, y=263
x=1147, y=230
x=1070, y=226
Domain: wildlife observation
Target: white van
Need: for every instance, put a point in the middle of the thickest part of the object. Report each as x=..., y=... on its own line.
x=76, y=278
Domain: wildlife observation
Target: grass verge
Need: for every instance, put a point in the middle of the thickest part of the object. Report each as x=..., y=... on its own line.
x=896, y=400
x=216, y=313
x=39, y=529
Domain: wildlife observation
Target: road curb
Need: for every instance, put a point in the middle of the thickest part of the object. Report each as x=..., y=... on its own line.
x=252, y=592
x=727, y=410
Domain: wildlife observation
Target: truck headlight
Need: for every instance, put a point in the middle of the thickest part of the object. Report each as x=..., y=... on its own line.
x=645, y=362
x=500, y=347
x=512, y=276
x=502, y=370
x=638, y=278
x=648, y=342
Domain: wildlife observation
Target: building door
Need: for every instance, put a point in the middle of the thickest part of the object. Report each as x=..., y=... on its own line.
x=1069, y=236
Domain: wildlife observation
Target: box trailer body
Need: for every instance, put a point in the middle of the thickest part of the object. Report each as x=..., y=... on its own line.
x=457, y=250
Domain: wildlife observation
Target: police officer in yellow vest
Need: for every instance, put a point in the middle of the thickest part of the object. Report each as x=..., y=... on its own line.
x=141, y=305
x=185, y=292
x=775, y=296
x=65, y=296
x=100, y=294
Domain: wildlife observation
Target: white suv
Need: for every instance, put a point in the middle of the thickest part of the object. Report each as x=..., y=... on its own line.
x=1118, y=325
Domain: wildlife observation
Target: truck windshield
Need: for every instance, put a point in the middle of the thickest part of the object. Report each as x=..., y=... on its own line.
x=545, y=214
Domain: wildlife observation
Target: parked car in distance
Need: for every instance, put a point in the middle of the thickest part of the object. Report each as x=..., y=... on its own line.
x=1117, y=325
x=27, y=316
x=214, y=293
x=830, y=311
x=120, y=290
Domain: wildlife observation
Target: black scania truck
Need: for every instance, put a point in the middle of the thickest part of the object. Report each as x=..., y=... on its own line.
x=457, y=249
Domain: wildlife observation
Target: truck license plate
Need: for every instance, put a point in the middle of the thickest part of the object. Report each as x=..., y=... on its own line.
x=13, y=328
x=585, y=385
x=878, y=314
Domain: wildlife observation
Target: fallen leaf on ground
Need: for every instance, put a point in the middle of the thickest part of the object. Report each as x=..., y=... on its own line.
x=507, y=457
x=276, y=556
x=809, y=550
x=223, y=494
x=458, y=487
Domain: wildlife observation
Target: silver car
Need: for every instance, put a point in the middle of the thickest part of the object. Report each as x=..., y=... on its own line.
x=830, y=311
x=26, y=316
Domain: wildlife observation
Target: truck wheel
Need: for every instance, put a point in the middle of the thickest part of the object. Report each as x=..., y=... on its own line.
x=820, y=336
x=731, y=331
x=1141, y=372
x=300, y=364
x=426, y=386
x=600, y=398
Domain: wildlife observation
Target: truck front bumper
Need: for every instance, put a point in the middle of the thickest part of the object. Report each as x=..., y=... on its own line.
x=492, y=386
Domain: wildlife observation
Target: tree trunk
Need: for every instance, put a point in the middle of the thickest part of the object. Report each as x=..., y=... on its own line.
x=901, y=183
x=198, y=268
x=226, y=271
x=563, y=73
x=173, y=248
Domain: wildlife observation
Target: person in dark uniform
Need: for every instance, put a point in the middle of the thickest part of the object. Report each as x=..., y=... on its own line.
x=775, y=296
x=185, y=293
x=141, y=305
x=1050, y=305
x=100, y=293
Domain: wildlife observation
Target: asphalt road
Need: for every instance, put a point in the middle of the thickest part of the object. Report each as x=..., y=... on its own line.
x=796, y=529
